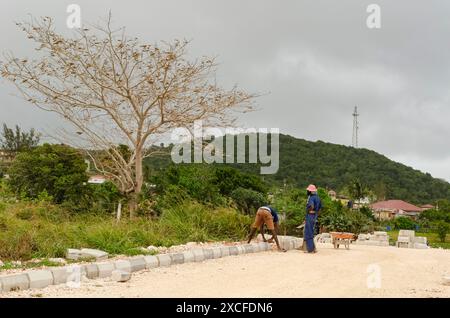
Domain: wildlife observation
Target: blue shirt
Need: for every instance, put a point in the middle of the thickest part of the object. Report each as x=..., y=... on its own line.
x=273, y=212
x=314, y=203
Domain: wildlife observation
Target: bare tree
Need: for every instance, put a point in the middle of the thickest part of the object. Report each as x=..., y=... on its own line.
x=115, y=90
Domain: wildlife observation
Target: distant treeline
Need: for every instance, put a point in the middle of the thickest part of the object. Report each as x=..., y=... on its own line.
x=335, y=166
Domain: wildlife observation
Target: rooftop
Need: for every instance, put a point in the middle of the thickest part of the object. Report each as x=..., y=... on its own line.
x=395, y=205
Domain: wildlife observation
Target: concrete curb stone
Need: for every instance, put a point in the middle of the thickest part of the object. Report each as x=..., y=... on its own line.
x=164, y=260
x=40, y=279
x=177, y=258
x=137, y=263
x=151, y=261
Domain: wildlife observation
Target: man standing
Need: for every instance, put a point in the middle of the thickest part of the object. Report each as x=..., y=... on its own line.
x=313, y=207
x=268, y=216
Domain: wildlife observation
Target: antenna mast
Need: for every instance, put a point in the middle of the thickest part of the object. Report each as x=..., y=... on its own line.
x=355, y=128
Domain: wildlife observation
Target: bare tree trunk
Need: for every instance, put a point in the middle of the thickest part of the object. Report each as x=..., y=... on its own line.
x=119, y=211
x=139, y=177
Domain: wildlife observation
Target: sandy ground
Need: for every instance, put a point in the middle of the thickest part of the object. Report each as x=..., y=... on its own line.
x=329, y=273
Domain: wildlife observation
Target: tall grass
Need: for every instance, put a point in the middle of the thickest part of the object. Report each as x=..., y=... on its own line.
x=29, y=230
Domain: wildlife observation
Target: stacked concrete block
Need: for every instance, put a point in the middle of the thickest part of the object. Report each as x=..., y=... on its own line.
x=176, y=258
x=40, y=279
x=164, y=260
x=420, y=240
x=409, y=233
x=137, y=264
x=403, y=241
x=151, y=261
x=420, y=246
x=406, y=239
x=381, y=237
x=14, y=282
x=324, y=238
x=105, y=269
x=378, y=238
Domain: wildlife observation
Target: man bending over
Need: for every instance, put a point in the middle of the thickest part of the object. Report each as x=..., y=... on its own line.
x=268, y=216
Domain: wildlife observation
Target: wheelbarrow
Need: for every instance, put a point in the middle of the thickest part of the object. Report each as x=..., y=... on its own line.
x=341, y=238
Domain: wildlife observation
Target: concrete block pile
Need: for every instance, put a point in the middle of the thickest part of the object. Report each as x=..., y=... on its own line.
x=121, y=270
x=408, y=239
x=323, y=238
x=378, y=238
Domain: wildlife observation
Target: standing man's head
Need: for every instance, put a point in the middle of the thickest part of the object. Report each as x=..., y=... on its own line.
x=311, y=189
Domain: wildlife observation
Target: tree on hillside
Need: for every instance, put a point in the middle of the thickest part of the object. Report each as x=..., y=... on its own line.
x=13, y=141
x=357, y=190
x=380, y=191
x=115, y=90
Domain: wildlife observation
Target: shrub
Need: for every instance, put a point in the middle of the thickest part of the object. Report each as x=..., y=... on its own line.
x=404, y=223
x=442, y=229
x=57, y=169
x=248, y=201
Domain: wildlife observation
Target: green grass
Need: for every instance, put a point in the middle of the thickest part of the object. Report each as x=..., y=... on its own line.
x=41, y=230
x=41, y=263
x=432, y=238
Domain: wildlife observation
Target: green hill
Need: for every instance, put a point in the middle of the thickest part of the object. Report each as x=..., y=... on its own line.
x=335, y=166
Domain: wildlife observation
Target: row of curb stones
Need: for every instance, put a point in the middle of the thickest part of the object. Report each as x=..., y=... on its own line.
x=37, y=279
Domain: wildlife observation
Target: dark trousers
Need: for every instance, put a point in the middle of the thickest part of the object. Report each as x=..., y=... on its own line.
x=310, y=224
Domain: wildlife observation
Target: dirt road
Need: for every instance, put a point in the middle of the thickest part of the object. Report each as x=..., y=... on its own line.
x=329, y=273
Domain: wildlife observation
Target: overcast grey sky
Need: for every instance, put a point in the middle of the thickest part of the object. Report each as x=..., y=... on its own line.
x=317, y=60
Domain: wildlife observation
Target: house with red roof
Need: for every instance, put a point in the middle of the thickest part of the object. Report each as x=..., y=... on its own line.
x=387, y=210
x=427, y=207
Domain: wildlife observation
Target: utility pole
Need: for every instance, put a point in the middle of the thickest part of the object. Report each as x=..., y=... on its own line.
x=355, y=128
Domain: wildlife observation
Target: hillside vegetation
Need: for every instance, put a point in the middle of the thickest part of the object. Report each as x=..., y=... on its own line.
x=335, y=166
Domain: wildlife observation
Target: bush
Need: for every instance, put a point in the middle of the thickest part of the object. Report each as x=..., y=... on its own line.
x=404, y=223
x=57, y=169
x=248, y=201
x=442, y=229
x=207, y=183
